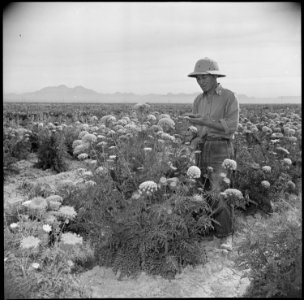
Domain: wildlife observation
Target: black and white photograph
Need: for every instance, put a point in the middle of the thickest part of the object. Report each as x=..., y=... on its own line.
x=152, y=150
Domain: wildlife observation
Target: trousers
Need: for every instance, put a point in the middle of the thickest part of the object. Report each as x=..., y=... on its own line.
x=212, y=154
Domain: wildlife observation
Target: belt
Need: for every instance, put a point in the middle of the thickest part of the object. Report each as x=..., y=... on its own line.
x=213, y=138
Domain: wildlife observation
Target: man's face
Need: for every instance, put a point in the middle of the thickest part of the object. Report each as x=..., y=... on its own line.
x=206, y=82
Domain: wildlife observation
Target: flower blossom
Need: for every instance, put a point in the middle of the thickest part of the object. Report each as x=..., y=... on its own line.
x=82, y=156
x=67, y=211
x=194, y=172
x=287, y=161
x=89, y=138
x=229, y=164
x=47, y=228
x=197, y=198
x=14, y=225
x=147, y=187
x=38, y=203
x=265, y=184
x=69, y=238
x=192, y=129
x=166, y=123
x=35, y=266
x=233, y=193
x=29, y=242
x=266, y=169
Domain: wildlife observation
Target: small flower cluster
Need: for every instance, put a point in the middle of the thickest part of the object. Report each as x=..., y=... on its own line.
x=194, y=172
x=147, y=187
x=229, y=164
x=266, y=169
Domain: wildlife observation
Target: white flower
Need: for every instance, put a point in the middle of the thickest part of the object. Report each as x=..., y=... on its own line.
x=148, y=186
x=151, y=118
x=35, y=266
x=226, y=180
x=197, y=198
x=163, y=180
x=29, y=242
x=47, y=228
x=81, y=148
x=266, y=129
x=90, y=182
x=266, y=169
x=223, y=175
x=166, y=123
x=82, y=156
x=147, y=149
x=101, y=171
x=229, y=164
x=265, y=184
x=112, y=156
x=56, y=198
x=233, y=193
x=194, y=172
x=67, y=211
x=192, y=129
x=287, y=161
x=38, y=203
x=89, y=138
x=69, y=238
x=14, y=225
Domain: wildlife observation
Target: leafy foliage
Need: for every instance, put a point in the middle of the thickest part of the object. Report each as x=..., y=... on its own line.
x=51, y=151
x=274, y=255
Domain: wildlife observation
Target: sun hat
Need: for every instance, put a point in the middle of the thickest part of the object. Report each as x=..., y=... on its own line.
x=206, y=66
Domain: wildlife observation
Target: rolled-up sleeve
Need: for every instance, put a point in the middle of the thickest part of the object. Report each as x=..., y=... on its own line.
x=231, y=117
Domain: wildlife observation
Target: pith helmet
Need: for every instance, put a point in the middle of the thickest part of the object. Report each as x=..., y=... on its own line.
x=206, y=66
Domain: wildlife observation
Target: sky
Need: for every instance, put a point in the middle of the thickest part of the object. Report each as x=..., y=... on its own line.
x=151, y=47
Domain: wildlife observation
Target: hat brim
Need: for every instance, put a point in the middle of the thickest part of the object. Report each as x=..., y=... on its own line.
x=216, y=73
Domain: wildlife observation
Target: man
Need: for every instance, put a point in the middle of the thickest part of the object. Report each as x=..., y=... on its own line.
x=216, y=116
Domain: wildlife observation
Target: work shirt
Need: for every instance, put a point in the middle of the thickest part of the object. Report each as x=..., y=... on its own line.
x=221, y=106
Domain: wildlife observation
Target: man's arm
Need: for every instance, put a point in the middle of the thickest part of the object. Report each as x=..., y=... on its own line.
x=228, y=124
x=206, y=121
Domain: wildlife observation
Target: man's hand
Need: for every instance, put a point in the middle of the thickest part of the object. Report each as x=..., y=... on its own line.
x=186, y=116
x=198, y=120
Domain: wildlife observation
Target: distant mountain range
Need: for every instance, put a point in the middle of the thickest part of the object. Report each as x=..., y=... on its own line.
x=80, y=94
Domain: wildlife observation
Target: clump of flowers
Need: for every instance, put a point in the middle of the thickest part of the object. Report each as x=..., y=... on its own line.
x=266, y=169
x=38, y=204
x=147, y=187
x=192, y=129
x=29, y=242
x=82, y=156
x=234, y=197
x=69, y=238
x=194, y=172
x=67, y=212
x=265, y=184
x=89, y=138
x=166, y=123
x=229, y=164
x=47, y=228
x=287, y=161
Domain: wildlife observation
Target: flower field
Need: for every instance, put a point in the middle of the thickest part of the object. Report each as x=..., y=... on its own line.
x=139, y=202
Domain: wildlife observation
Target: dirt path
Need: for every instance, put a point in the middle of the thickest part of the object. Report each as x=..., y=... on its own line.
x=218, y=278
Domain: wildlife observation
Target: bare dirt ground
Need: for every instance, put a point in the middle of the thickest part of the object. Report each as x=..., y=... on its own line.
x=219, y=277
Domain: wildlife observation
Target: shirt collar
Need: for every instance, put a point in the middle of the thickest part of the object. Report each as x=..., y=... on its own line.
x=218, y=90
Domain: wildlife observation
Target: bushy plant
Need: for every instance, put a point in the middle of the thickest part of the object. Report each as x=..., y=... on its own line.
x=52, y=151
x=272, y=248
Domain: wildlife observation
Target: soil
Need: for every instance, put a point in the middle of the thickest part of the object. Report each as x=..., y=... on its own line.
x=219, y=277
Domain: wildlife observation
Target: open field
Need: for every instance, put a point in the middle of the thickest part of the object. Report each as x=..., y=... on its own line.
x=99, y=202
